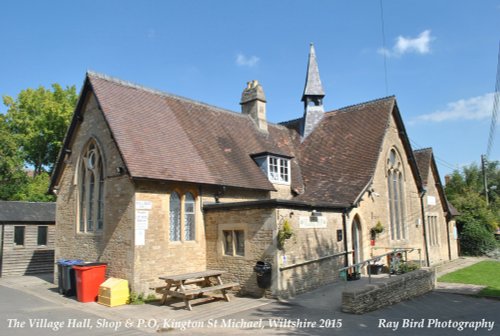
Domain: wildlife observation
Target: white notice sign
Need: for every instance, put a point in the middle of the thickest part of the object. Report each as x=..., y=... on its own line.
x=141, y=219
x=431, y=200
x=319, y=222
x=143, y=205
x=140, y=237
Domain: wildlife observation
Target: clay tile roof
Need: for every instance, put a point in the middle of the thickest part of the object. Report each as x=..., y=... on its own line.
x=339, y=157
x=423, y=157
x=166, y=137
x=27, y=212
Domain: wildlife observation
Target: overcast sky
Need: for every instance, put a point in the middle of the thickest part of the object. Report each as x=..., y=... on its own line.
x=441, y=56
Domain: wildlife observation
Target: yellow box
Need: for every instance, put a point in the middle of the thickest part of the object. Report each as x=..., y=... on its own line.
x=113, y=292
x=112, y=301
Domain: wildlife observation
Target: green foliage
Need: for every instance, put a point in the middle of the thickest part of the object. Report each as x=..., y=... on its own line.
x=486, y=273
x=406, y=267
x=34, y=190
x=477, y=220
x=138, y=299
x=31, y=135
x=12, y=175
x=38, y=120
x=476, y=239
x=284, y=233
x=378, y=228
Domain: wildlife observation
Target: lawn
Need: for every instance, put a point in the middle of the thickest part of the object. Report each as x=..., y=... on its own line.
x=486, y=273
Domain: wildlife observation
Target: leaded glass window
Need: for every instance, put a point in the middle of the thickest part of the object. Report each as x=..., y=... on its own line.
x=91, y=189
x=395, y=185
x=189, y=217
x=175, y=217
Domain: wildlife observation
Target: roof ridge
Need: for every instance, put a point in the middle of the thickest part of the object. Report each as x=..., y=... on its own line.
x=422, y=149
x=282, y=123
x=119, y=81
x=362, y=103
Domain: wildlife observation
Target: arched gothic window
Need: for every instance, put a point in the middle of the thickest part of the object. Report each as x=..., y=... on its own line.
x=175, y=217
x=91, y=189
x=395, y=186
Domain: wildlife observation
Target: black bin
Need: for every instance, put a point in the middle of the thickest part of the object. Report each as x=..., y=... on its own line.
x=264, y=272
x=66, y=279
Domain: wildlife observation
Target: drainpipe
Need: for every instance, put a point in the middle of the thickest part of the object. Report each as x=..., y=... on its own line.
x=448, y=236
x=426, y=248
x=346, y=246
x=1, y=249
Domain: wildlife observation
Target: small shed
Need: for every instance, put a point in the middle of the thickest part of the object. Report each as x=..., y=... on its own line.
x=27, y=231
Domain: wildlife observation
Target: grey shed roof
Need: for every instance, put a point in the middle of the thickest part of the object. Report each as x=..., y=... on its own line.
x=313, y=85
x=27, y=212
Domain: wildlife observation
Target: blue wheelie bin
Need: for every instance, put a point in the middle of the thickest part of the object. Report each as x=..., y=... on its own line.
x=66, y=276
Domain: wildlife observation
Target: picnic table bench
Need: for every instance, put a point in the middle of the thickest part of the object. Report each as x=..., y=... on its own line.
x=187, y=286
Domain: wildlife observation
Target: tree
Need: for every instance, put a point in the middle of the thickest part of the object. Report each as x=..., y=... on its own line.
x=38, y=120
x=31, y=135
x=12, y=175
x=477, y=220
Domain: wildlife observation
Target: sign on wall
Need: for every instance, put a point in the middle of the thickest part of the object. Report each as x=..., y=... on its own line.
x=431, y=200
x=312, y=222
x=141, y=221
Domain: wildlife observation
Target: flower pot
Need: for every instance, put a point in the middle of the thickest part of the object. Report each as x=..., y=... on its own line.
x=375, y=269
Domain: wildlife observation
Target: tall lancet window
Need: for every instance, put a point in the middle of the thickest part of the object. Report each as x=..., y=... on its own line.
x=175, y=217
x=189, y=219
x=91, y=189
x=395, y=186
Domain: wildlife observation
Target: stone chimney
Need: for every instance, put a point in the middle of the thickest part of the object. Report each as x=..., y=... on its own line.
x=253, y=103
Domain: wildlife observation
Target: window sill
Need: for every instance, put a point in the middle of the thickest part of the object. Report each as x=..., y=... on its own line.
x=93, y=233
x=279, y=182
x=234, y=256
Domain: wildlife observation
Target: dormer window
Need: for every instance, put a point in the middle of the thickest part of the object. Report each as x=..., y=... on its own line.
x=277, y=168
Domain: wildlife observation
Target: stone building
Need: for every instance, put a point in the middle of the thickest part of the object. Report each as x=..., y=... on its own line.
x=26, y=238
x=156, y=184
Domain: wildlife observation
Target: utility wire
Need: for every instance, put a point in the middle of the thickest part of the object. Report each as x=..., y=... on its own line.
x=437, y=158
x=494, y=114
x=384, y=53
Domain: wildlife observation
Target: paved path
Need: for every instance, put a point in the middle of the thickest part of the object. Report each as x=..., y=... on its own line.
x=315, y=313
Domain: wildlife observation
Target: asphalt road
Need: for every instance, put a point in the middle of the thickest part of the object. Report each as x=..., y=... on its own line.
x=309, y=314
x=431, y=314
x=24, y=314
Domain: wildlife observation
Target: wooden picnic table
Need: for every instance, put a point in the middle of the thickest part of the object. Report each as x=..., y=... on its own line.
x=188, y=285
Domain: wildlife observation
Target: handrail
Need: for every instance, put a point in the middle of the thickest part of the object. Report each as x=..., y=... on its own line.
x=377, y=258
x=283, y=268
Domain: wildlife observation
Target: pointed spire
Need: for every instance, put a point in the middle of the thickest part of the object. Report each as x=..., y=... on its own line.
x=313, y=85
x=312, y=97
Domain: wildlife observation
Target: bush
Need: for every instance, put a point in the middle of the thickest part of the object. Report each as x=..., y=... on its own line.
x=476, y=239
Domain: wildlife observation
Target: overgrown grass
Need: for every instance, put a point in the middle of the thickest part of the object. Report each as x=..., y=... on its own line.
x=485, y=273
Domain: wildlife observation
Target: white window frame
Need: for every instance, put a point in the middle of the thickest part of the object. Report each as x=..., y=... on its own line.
x=278, y=170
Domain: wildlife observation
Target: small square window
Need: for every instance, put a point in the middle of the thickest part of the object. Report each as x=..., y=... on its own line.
x=240, y=242
x=42, y=235
x=234, y=242
x=19, y=235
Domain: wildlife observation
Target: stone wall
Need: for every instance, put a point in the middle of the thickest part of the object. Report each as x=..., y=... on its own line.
x=312, y=256
x=374, y=207
x=259, y=226
x=433, y=206
x=157, y=255
x=398, y=288
x=114, y=243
